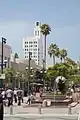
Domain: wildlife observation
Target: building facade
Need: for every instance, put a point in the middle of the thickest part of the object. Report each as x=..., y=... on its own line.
x=6, y=55
x=34, y=45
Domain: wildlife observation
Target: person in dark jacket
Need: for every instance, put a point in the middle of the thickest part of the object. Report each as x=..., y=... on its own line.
x=1, y=107
x=20, y=95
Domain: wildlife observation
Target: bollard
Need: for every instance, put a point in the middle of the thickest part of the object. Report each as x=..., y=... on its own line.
x=11, y=110
x=39, y=108
x=69, y=109
x=79, y=116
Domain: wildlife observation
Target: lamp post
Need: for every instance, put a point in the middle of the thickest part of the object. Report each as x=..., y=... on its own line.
x=1, y=101
x=44, y=71
x=28, y=69
x=3, y=42
x=29, y=72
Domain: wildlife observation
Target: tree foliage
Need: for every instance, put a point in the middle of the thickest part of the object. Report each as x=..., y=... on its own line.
x=45, y=29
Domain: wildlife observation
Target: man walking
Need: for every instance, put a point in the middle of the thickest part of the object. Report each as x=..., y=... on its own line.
x=19, y=94
x=15, y=95
x=1, y=107
x=9, y=94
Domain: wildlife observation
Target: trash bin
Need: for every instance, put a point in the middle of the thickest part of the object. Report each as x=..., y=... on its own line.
x=48, y=103
x=44, y=103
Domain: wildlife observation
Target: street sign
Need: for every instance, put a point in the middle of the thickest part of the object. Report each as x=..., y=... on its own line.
x=2, y=76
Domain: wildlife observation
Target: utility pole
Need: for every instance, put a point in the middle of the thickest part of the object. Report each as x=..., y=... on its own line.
x=1, y=100
x=3, y=42
x=29, y=73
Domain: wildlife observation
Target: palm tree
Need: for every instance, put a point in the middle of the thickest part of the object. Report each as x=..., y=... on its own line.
x=62, y=54
x=53, y=51
x=45, y=30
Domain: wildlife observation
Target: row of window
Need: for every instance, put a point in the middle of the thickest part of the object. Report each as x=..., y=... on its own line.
x=27, y=57
x=36, y=33
x=31, y=56
x=30, y=49
x=32, y=53
x=30, y=42
x=30, y=46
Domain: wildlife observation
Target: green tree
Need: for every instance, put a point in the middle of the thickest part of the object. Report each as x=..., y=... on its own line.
x=53, y=51
x=10, y=76
x=62, y=54
x=59, y=69
x=45, y=30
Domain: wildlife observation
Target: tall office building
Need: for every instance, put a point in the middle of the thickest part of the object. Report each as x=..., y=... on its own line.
x=34, y=45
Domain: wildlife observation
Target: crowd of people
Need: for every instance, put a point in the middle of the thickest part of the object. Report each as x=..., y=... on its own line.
x=9, y=95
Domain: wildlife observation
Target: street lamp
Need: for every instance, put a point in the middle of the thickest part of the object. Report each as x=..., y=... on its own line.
x=29, y=72
x=3, y=42
x=43, y=72
x=1, y=103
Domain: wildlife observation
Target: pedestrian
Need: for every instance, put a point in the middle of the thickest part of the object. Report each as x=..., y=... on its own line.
x=29, y=100
x=3, y=93
x=1, y=107
x=9, y=94
x=15, y=95
x=19, y=94
x=41, y=92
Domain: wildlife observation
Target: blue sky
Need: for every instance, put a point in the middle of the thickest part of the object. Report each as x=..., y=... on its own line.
x=17, y=19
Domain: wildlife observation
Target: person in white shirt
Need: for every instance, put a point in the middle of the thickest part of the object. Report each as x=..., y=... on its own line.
x=15, y=95
x=9, y=94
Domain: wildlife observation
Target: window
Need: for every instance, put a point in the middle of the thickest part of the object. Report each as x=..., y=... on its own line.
x=35, y=41
x=25, y=42
x=35, y=49
x=38, y=33
x=25, y=52
x=30, y=49
x=35, y=45
x=30, y=42
x=35, y=33
x=30, y=45
x=25, y=45
x=25, y=49
x=25, y=56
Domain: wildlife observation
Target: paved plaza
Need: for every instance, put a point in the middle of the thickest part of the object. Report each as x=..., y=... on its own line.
x=25, y=112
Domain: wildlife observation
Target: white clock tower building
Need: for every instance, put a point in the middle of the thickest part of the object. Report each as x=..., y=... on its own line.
x=34, y=45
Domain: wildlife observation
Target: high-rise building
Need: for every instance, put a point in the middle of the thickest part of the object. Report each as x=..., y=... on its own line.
x=34, y=45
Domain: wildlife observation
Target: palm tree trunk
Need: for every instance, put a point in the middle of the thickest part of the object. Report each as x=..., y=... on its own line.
x=45, y=51
x=53, y=60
